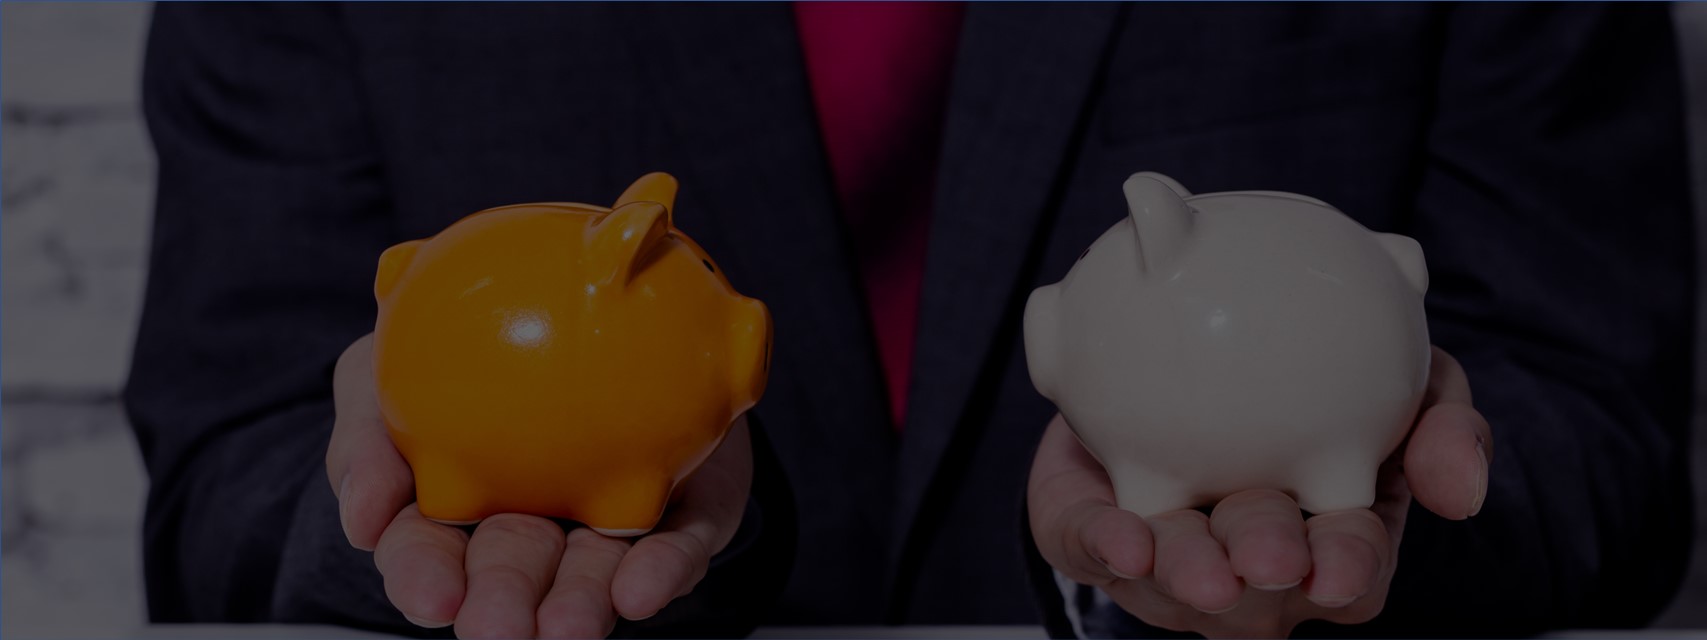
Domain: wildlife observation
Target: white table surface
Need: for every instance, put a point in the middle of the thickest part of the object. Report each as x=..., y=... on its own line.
x=294, y=632
x=313, y=632
x=309, y=632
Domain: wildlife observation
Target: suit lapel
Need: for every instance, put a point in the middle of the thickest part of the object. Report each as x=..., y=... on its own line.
x=738, y=110
x=1019, y=98
x=736, y=103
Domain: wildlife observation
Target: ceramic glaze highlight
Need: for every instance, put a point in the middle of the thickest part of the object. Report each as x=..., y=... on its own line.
x=1222, y=342
x=562, y=360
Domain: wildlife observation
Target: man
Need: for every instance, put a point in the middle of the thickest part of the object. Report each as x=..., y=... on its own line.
x=1534, y=151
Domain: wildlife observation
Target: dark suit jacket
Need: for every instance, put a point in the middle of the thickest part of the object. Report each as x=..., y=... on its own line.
x=1536, y=152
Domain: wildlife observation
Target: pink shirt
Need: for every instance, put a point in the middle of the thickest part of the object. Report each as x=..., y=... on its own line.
x=879, y=73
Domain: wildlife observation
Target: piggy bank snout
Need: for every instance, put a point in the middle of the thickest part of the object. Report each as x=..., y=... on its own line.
x=751, y=338
x=1042, y=353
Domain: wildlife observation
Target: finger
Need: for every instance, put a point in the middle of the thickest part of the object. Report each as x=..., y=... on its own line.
x=422, y=562
x=667, y=563
x=372, y=480
x=1447, y=457
x=716, y=493
x=579, y=603
x=661, y=567
x=1347, y=550
x=1074, y=522
x=1105, y=543
x=1191, y=566
x=1263, y=532
x=1392, y=498
x=1447, y=381
x=512, y=560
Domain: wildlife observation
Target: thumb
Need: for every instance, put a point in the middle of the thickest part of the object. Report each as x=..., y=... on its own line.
x=371, y=479
x=1074, y=521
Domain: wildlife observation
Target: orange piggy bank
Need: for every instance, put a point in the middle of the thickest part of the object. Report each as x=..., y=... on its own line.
x=562, y=360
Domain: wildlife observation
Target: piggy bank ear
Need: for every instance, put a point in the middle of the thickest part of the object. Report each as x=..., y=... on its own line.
x=1161, y=219
x=1042, y=338
x=1409, y=256
x=656, y=187
x=391, y=266
x=751, y=349
x=1173, y=185
x=623, y=240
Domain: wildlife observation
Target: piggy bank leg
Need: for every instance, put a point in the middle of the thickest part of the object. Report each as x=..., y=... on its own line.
x=1336, y=483
x=1146, y=493
x=447, y=495
x=628, y=509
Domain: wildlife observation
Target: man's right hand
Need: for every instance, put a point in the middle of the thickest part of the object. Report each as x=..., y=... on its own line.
x=518, y=576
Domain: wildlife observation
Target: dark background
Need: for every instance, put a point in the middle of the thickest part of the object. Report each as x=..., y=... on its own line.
x=75, y=191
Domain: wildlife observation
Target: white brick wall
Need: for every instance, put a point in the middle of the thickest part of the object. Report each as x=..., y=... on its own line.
x=77, y=176
x=75, y=171
x=75, y=188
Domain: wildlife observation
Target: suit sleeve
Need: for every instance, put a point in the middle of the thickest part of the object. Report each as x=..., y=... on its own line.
x=1553, y=207
x=272, y=209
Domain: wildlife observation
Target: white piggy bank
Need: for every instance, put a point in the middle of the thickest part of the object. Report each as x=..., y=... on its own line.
x=1211, y=344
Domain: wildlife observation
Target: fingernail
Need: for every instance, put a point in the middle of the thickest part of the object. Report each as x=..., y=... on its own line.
x=1118, y=573
x=344, y=509
x=1481, y=479
x=1332, y=602
x=1216, y=613
x=1276, y=587
x=424, y=623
